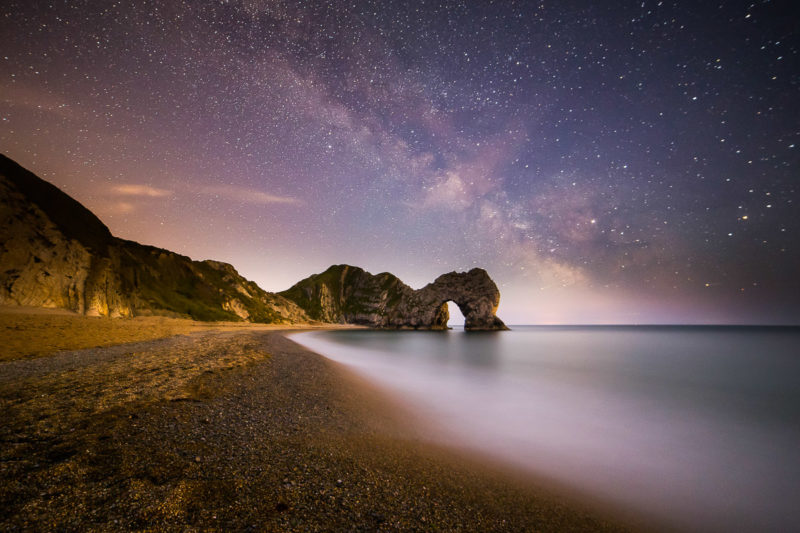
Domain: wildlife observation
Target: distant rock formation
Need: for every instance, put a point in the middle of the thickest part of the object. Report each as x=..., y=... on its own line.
x=349, y=295
x=474, y=292
x=56, y=253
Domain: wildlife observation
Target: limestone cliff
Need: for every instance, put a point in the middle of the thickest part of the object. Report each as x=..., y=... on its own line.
x=349, y=295
x=55, y=253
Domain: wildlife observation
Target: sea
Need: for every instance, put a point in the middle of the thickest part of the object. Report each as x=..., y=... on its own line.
x=695, y=428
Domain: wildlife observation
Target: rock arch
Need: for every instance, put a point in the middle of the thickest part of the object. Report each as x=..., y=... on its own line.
x=451, y=307
x=475, y=294
x=350, y=295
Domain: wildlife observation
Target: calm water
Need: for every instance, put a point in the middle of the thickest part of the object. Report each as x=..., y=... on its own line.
x=698, y=427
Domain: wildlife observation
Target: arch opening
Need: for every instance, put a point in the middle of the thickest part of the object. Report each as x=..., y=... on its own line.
x=456, y=317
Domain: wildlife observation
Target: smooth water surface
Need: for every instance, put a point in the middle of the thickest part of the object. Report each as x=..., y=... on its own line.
x=697, y=427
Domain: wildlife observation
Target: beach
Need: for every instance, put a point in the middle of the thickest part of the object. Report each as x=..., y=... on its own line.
x=237, y=428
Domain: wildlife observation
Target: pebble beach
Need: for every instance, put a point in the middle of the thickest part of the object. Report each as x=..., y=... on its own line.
x=238, y=430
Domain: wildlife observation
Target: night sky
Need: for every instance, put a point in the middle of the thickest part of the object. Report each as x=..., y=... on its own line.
x=617, y=162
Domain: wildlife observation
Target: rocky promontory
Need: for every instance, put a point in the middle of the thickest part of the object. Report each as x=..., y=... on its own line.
x=55, y=253
x=349, y=295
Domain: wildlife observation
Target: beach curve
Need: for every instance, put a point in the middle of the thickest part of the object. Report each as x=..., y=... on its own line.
x=239, y=430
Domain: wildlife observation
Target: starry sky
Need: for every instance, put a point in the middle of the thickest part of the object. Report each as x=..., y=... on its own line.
x=606, y=162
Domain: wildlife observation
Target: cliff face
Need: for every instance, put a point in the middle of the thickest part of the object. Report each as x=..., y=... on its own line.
x=55, y=253
x=347, y=294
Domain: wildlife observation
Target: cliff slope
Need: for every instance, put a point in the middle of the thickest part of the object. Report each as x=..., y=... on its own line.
x=55, y=253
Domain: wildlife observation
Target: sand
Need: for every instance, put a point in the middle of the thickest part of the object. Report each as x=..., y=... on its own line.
x=234, y=429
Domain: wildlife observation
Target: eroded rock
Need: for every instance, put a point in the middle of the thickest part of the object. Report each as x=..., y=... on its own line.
x=347, y=294
x=56, y=253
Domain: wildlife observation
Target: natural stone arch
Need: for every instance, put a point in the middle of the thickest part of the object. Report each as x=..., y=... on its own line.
x=445, y=315
x=350, y=295
x=474, y=292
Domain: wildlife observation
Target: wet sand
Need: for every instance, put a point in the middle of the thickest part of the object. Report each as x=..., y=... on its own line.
x=238, y=430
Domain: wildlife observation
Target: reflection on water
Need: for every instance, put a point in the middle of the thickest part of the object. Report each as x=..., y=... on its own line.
x=698, y=427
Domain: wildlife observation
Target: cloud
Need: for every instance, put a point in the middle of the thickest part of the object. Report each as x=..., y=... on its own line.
x=245, y=195
x=34, y=98
x=121, y=208
x=135, y=189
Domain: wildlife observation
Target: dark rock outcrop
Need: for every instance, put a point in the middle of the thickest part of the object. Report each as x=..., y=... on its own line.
x=474, y=292
x=349, y=295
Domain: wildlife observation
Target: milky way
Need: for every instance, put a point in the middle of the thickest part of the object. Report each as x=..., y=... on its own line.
x=624, y=162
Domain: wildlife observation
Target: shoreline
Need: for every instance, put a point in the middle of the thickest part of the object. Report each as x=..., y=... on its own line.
x=241, y=430
x=430, y=436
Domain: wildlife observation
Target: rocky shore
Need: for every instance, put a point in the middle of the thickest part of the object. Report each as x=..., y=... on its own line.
x=238, y=430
